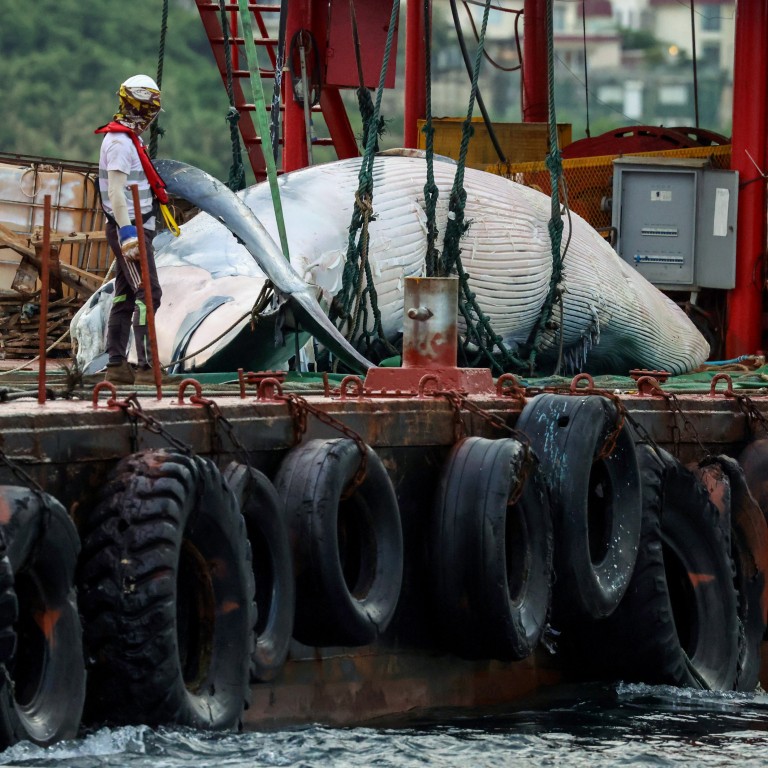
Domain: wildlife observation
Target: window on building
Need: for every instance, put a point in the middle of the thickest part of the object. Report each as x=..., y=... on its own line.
x=710, y=54
x=710, y=17
x=673, y=94
x=558, y=18
x=611, y=94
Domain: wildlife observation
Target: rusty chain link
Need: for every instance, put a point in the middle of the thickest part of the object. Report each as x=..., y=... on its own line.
x=219, y=420
x=40, y=494
x=299, y=408
x=459, y=402
x=622, y=415
x=675, y=408
x=133, y=410
x=25, y=478
x=609, y=444
x=750, y=410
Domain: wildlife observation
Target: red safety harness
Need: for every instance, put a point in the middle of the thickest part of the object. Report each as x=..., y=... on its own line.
x=156, y=184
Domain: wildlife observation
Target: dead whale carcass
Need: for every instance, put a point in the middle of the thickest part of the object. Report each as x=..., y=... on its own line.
x=613, y=319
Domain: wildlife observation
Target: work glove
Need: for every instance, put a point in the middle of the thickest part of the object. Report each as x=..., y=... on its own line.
x=129, y=242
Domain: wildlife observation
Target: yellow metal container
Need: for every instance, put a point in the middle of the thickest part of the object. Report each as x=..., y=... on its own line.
x=521, y=142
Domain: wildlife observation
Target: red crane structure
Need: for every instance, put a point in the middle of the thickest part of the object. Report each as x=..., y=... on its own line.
x=330, y=28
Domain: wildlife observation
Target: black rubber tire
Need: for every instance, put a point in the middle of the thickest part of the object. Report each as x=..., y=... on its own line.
x=754, y=461
x=671, y=628
x=45, y=702
x=491, y=561
x=167, y=596
x=596, y=506
x=749, y=542
x=347, y=553
x=9, y=609
x=272, y=568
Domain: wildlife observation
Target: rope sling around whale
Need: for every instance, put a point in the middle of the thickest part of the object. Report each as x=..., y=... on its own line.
x=358, y=290
x=354, y=295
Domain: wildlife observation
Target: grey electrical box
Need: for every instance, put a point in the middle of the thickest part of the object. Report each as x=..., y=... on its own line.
x=675, y=221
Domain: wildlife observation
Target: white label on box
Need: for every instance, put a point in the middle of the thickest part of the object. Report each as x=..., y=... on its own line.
x=661, y=195
x=722, y=197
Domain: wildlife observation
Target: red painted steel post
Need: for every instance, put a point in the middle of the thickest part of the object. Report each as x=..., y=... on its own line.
x=535, y=88
x=45, y=257
x=415, y=91
x=331, y=104
x=750, y=120
x=336, y=119
x=430, y=335
x=295, y=154
x=146, y=281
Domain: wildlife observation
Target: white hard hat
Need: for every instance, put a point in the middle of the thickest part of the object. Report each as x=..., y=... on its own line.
x=141, y=81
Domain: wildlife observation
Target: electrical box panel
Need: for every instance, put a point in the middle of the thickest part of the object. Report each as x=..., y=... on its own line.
x=675, y=221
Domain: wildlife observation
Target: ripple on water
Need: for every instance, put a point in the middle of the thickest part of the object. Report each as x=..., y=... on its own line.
x=628, y=725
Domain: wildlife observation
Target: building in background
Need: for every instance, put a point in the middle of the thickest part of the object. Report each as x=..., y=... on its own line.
x=636, y=56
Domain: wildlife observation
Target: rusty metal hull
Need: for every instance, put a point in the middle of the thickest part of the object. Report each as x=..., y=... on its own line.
x=69, y=448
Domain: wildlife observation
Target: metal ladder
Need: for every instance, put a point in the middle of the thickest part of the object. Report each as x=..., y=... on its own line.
x=293, y=139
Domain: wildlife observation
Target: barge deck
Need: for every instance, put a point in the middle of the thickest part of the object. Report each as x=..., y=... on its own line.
x=70, y=447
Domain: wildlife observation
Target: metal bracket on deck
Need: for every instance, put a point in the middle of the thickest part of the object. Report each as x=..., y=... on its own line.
x=197, y=398
x=348, y=381
x=507, y=385
x=270, y=389
x=648, y=386
x=728, y=391
x=576, y=381
x=99, y=388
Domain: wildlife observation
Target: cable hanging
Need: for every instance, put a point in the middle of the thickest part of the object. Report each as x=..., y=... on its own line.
x=155, y=130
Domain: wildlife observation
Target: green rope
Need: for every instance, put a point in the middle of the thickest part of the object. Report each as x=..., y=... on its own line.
x=236, y=179
x=479, y=330
x=262, y=120
x=364, y=98
x=367, y=113
x=357, y=258
x=431, y=192
x=555, y=165
x=155, y=130
x=277, y=83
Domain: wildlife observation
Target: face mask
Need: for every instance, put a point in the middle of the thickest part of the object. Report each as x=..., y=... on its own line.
x=138, y=107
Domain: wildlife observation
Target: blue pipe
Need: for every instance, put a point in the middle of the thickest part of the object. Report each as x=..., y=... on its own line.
x=738, y=359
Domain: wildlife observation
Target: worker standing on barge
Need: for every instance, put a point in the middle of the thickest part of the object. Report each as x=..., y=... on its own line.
x=124, y=162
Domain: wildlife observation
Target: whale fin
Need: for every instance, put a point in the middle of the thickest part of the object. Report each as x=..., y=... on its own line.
x=215, y=198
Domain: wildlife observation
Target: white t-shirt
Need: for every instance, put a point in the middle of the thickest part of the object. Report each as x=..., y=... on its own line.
x=119, y=154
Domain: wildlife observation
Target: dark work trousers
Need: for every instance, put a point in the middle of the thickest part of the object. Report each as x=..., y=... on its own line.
x=128, y=303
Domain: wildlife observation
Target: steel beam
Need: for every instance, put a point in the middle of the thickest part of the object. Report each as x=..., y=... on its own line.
x=534, y=92
x=748, y=157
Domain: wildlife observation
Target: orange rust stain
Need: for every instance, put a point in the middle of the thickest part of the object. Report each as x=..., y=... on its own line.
x=228, y=607
x=5, y=511
x=697, y=579
x=47, y=621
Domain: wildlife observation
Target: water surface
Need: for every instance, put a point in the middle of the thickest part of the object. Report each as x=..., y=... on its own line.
x=625, y=725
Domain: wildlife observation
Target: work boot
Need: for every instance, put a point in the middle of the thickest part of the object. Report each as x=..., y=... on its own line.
x=145, y=377
x=119, y=373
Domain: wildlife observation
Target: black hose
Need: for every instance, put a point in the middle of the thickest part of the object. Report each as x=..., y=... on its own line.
x=480, y=102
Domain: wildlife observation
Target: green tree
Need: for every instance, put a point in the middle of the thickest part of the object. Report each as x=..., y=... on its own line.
x=64, y=60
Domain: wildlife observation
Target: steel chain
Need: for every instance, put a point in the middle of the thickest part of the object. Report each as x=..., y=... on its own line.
x=675, y=408
x=25, y=478
x=298, y=419
x=136, y=413
x=220, y=420
x=750, y=410
x=299, y=408
x=609, y=444
x=459, y=402
x=454, y=400
x=623, y=415
x=42, y=497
